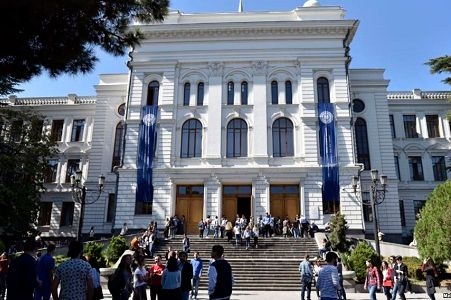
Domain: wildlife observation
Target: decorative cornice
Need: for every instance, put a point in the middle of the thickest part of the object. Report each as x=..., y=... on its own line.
x=70, y=100
x=216, y=68
x=244, y=31
x=259, y=67
x=419, y=95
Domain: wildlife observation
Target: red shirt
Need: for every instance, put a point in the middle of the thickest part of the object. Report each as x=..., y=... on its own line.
x=3, y=265
x=155, y=274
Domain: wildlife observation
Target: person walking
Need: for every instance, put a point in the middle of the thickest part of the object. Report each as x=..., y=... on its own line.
x=430, y=271
x=186, y=243
x=155, y=273
x=328, y=282
x=44, y=269
x=341, y=292
x=197, y=264
x=394, y=266
x=220, y=278
x=186, y=270
x=306, y=271
x=372, y=280
x=21, y=280
x=120, y=283
x=387, y=279
x=401, y=275
x=74, y=275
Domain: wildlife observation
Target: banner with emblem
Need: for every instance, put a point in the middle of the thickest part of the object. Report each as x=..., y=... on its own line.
x=328, y=152
x=146, y=153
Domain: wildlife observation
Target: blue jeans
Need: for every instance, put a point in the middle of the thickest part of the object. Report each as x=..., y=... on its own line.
x=196, y=280
x=394, y=291
x=185, y=295
x=372, y=289
x=328, y=298
x=306, y=285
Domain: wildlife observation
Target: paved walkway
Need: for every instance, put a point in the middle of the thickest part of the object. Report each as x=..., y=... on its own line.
x=290, y=295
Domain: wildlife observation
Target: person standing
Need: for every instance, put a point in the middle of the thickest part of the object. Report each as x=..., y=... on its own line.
x=328, y=282
x=186, y=270
x=45, y=268
x=306, y=271
x=124, y=229
x=387, y=279
x=186, y=244
x=95, y=275
x=220, y=278
x=155, y=274
x=341, y=292
x=120, y=283
x=401, y=275
x=21, y=280
x=201, y=227
x=372, y=280
x=304, y=226
x=197, y=264
x=430, y=271
x=74, y=275
x=4, y=264
x=266, y=222
x=140, y=280
x=171, y=281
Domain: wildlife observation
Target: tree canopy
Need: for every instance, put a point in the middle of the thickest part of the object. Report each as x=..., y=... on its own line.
x=440, y=65
x=433, y=228
x=61, y=36
x=24, y=150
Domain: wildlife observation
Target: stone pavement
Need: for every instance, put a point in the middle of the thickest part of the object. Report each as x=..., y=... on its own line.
x=291, y=295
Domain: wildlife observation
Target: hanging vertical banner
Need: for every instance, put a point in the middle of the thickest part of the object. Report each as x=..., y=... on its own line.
x=328, y=152
x=146, y=153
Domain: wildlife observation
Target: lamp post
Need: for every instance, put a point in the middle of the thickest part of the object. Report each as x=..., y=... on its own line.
x=377, y=196
x=79, y=196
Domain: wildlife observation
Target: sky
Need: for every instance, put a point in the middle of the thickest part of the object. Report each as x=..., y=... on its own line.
x=396, y=35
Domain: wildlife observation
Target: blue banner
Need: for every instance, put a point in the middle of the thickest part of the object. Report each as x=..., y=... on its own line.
x=328, y=152
x=146, y=153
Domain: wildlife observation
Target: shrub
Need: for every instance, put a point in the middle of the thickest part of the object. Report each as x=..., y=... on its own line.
x=338, y=234
x=115, y=248
x=60, y=259
x=358, y=258
x=414, y=267
x=94, y=249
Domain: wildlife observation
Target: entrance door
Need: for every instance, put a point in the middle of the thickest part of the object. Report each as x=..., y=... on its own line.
x=190, y=203
x=243, y=206
x=284, y=201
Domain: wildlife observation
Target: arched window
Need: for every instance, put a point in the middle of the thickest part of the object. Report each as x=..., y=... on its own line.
x=244, y=93
x=288, y=92
x=186, y=93
x=152, y=93
x=361, y=141
x=118, y=144
x=274, y=92
x=322, y=86
x=200, y=94
x=282, y=138
x=191, y=139
x=230, y=93
x=237, y=138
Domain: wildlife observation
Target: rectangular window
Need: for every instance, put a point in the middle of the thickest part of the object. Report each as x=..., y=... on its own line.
x=398, y=173
x=36, y=130
x=367, y=209
x=45, y=213
x=410, y=126
x=432, y=125
x=57, y=130
x=402, y=213
x=67, y=214
x=439, y=168
x=77, y=130
x=143, y=208
x=417, y=206
x=111, y=209
x=392, y=127
x=72, y=166
x=416, y=168
x=51, y=170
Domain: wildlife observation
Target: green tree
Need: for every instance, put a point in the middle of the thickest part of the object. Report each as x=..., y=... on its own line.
x=433, y=228
x=338, y=235
x=440, y=65
x=24, y=150
x=60, y=36
x=115, y=248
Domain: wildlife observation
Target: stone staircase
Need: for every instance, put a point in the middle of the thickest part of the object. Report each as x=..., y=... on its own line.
x=273, y=266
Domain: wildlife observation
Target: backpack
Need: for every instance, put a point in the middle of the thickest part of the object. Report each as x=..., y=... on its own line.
x=115, y=282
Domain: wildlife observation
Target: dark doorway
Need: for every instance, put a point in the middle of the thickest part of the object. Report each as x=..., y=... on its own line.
x=243, y=206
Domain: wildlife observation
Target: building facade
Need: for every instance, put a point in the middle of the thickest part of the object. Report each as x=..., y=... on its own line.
x=238, y=129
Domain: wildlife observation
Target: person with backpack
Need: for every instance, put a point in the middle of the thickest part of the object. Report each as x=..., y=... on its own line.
x=120, y=283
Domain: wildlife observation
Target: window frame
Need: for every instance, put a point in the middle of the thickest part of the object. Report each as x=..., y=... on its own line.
x=274, y=92
x=236, y=139
x=78, y=128
x=191, y=138
x=283, y=137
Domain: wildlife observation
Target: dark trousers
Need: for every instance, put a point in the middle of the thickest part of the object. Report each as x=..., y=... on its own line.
x=154, y=291
x=306, y=285
x=402, y=289
x=2, y=285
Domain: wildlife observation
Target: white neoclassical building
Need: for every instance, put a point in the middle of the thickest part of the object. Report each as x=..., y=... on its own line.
x=239, y=128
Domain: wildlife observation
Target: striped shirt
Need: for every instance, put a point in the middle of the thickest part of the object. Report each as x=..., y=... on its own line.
x=328, y=282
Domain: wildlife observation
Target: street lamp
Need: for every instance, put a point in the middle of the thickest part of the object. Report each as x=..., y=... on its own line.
x=79, y=196
x=378, y=189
